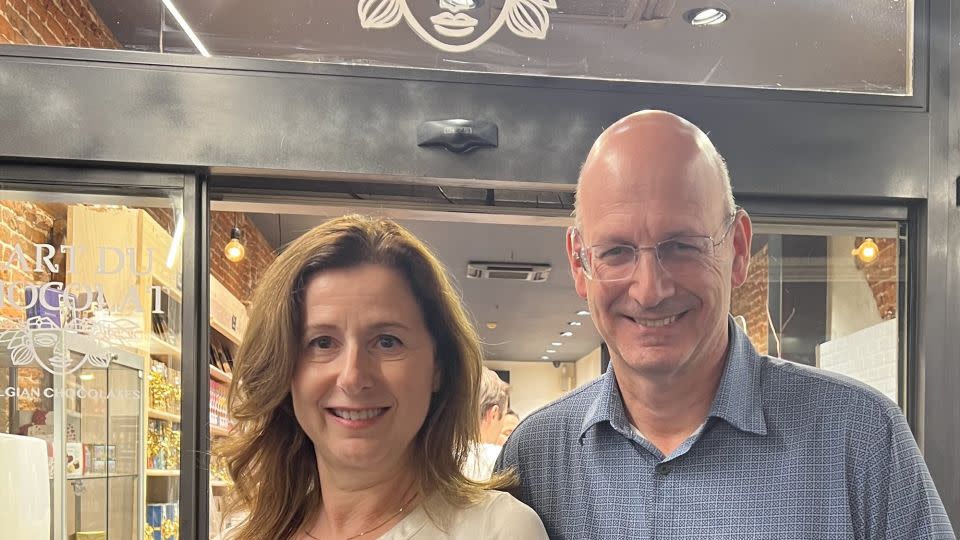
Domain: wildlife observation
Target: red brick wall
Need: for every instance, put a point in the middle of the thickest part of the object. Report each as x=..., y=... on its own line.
x=242, y=277
x=882, y=277
x=25, y=224
x=71, y=23
x=239, y=278
x=750, y=300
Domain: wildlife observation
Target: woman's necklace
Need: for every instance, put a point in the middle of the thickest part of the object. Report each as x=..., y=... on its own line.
x=381, y=524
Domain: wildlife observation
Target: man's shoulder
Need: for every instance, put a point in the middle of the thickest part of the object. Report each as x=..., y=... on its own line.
x=561, y=416
x=806, y=389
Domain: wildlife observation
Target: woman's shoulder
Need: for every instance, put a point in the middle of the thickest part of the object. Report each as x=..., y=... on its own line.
x=498, y=515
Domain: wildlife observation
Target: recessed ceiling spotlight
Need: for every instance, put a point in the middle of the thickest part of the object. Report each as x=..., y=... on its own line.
x=492, y=325
x=544, y=357
x=550, y=351
x=574, y=323
x=706, y=16
x=566, y=334
x=557, y=343
x=583, y=313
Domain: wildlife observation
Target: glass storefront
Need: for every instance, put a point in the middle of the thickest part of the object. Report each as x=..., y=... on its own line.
x=829, y=296
x=90, y=342
x=90, y=359
x=823, y=294
x=861, y=46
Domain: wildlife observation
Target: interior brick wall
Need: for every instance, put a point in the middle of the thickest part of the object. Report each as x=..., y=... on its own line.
x=25, y=224
x=69, y=23
x=750, y=300
x=882, y=277
x=242, y=277
x=239, y=278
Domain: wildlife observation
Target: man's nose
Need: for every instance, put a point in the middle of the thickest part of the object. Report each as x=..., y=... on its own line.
x=650, y=284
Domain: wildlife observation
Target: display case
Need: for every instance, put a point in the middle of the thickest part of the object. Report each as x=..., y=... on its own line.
x=77, y=386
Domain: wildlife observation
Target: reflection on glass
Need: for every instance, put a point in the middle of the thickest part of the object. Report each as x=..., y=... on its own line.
x=856, y=46
x=827, y=298
x=89, y=307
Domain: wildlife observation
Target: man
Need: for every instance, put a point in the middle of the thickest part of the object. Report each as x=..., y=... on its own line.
x=691, y=433
x=510, y=421
x=494, y=395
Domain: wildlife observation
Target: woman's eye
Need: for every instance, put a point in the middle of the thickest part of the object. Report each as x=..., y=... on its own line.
x=388, y=342
x=322, y=342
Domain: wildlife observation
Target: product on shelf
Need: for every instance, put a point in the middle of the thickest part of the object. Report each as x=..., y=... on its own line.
x=163, y=521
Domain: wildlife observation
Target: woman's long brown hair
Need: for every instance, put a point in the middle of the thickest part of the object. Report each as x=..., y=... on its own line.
x=271, y=461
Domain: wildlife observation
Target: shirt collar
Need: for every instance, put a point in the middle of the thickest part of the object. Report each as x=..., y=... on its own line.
x=738, y=400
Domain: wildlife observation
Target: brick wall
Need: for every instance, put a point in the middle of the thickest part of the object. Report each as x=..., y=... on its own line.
x=25, y=224
x=70, y=23
x=242, y=277
x=239, y=278
x=882, y=277
x=750, y=300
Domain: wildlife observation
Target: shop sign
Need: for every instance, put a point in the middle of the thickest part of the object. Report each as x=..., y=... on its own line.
x=58, y=314
x=525, y=18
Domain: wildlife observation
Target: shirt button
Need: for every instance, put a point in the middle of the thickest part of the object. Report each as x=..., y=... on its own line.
x=664, y=469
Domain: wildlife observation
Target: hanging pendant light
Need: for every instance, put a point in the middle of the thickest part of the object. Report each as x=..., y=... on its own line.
x=867, y=251
x=234, y=249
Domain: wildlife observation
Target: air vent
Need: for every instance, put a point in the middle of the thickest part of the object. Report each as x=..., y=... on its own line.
x=508, y=270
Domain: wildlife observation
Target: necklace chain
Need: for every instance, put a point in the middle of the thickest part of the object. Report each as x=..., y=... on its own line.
x=381, y=524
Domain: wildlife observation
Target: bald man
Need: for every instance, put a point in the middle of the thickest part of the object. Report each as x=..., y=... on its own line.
x=691, y=433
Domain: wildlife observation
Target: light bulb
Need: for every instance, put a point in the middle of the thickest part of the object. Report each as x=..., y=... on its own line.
x=867, y=251
x=234, y=249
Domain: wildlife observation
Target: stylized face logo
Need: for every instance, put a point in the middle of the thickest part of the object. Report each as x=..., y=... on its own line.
x=42, y=341
x=525, y=18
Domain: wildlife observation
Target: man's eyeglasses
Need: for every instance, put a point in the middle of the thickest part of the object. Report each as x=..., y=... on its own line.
x=677, y=256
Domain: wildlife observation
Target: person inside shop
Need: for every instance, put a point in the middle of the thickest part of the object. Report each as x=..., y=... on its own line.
x=691, y=433
x=510, y=421
x=355, y=397
x=494, y=396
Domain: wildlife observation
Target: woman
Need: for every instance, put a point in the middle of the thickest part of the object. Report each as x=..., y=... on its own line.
x=355, y=398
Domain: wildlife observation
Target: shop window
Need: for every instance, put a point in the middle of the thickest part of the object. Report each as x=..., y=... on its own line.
x=861, y=46
x=829, y=298
x=90, y=341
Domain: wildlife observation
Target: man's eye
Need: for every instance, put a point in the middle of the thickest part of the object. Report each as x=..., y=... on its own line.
x=616, y=255
x=681, y=246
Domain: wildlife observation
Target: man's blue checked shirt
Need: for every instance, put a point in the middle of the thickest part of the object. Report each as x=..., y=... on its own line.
x=788, y=451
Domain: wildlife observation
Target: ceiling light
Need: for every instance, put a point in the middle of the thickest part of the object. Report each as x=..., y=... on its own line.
x=234, y=249
x=574, y=323
x=551, y=351
x=492, y=325
x=566, y=334
x=177, y=242
x=706, y=16
x=186, y=27
x=556, y=343
x=583, y=313
x=867, y=251
x=544, y=357
x=85, y=376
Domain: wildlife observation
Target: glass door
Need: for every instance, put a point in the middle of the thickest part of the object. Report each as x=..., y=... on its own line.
x=90, y=356
x=830, y=295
